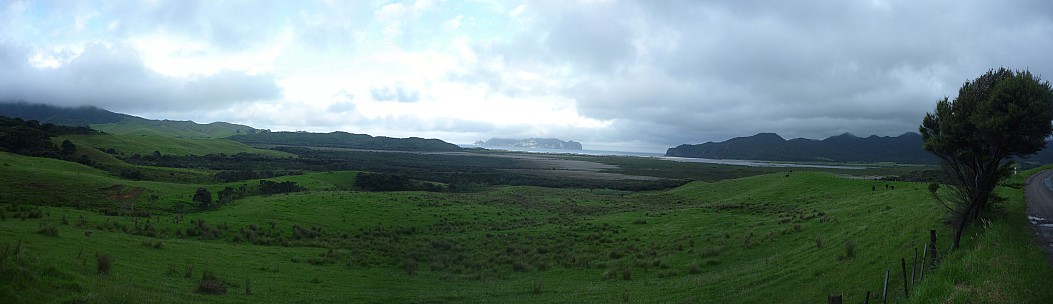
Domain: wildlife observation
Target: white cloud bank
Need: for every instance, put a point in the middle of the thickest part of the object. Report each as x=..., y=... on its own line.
x=615, y=74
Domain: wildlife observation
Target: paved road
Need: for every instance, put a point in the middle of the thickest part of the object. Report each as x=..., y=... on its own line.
x=1040, y=209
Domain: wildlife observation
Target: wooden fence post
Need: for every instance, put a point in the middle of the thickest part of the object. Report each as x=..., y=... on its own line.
x=932, y=243
x=903, y=263
x=913, y=266
x=884, y=290
x=833, y=299
x=924, y=254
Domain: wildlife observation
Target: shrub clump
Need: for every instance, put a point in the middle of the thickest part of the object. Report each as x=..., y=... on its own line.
x=694, y=268
x=210, y=284
x=103, y=263
x=48, y=230
x=410, y=266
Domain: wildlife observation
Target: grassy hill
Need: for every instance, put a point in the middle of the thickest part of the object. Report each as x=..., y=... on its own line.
x=117, y=123
x=788, y=237
x=754, y=239
x=172, y=128
x=127, y=145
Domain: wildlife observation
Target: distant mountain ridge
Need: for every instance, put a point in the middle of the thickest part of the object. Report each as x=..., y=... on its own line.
x=345, y=140
x=124, y=124
x=117, y=123
x=546, y=143
x=906, y=148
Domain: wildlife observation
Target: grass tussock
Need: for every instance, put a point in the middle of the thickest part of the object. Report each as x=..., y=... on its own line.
x=211, y=284
x=103, y=263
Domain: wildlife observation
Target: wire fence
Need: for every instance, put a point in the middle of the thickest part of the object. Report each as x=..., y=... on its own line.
x=930, y=256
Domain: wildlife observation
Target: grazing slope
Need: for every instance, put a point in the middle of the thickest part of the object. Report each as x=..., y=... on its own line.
x=752, y=239
x=172, y=128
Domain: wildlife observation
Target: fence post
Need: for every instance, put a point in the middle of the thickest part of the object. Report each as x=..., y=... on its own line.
x=903, y=263
x=932, y=242
x=884, y=290
x=833, y=299
x=924, y=253
x=913, y=266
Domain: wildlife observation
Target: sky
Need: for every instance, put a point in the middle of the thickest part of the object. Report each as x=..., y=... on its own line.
x=614, y=75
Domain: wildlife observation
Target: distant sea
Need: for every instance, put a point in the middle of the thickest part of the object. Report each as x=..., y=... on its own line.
x=562, y=151
x=750, y=163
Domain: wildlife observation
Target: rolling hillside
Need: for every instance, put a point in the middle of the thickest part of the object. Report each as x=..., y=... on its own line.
x=117, y=123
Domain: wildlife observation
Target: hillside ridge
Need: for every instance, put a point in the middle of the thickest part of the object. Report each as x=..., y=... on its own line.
x=846, y=147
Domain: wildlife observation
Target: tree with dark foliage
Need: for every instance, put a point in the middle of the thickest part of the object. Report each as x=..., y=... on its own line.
x=203, y=198
x=68, y=148
x=1000, y=115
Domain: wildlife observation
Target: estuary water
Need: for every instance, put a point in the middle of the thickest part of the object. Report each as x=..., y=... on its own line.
x=736, y=162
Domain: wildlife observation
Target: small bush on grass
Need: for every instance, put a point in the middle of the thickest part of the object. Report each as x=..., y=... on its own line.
x=693, y=268
x=210, y=284
x=48, y=230
x=103, y=263
x=410, y=266
x=850, y=249
x=171, y=270
x=711, y=251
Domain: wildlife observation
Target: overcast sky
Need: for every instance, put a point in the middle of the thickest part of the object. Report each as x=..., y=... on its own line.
x=621, y=75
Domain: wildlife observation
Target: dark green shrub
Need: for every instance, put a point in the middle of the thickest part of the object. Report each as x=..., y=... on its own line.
x=48, y=230
x=410, y=266
x=103, y=263
x=210, y=284
x=693, y=268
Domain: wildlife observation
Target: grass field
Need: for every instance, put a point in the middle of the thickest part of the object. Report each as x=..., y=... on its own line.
x=781, y=237
x=787, y=237
x=999, y=261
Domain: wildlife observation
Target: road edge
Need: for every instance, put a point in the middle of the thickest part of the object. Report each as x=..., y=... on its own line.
x=1043, y=234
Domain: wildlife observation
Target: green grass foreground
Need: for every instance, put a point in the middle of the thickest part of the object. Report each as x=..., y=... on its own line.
x=787, y=238
x=999, y=261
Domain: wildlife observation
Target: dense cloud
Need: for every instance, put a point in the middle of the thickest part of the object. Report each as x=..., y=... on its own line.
x=116, y=78
x=635, y=74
